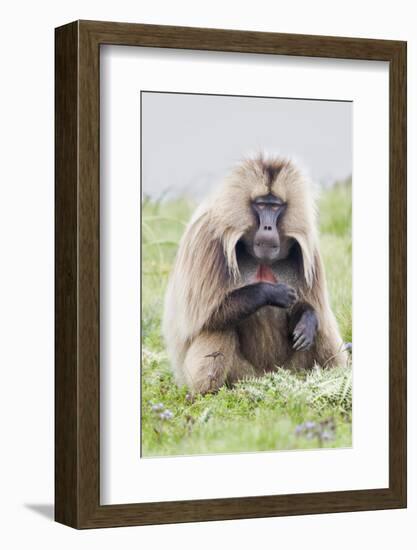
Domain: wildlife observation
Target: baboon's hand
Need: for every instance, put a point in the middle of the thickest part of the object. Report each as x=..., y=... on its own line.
x=281, y=295
x=303, y=335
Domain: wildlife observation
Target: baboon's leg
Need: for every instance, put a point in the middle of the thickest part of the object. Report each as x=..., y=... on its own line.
x=330, y=350
x=241, y=369
x=212, y=359
x=324, y=353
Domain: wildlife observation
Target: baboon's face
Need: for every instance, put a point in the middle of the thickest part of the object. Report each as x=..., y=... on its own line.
x=265, y=241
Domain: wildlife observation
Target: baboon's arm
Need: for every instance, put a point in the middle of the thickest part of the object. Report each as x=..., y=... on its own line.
x=303, y=325
x=243, y=302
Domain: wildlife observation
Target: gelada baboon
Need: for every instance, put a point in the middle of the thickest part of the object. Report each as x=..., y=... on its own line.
x=248, y=291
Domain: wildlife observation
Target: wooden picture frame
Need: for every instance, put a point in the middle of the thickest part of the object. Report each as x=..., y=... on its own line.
x=77, y=372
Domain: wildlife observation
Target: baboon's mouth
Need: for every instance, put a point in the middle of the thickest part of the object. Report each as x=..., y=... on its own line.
x=265, y=274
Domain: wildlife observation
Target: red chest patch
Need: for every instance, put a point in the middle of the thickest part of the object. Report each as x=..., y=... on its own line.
x=265, y=274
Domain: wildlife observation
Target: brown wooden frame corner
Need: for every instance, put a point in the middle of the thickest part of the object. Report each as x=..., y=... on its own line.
x=77, y=373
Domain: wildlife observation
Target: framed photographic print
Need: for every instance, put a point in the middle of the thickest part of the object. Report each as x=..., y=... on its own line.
x=230, y=274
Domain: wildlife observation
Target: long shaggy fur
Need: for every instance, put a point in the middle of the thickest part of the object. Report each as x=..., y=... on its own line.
x=206, y=270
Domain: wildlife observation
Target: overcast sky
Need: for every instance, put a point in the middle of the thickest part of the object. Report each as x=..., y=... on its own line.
x=189, y=142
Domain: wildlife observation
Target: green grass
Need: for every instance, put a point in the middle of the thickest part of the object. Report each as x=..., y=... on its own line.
x=282, y=410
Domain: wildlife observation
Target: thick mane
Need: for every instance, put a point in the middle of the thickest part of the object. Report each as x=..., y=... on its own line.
x=205, y=270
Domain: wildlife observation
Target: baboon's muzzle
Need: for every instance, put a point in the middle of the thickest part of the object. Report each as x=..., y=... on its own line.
x=266, y=242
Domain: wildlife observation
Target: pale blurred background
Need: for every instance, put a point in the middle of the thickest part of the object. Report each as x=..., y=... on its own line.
x=189, y=142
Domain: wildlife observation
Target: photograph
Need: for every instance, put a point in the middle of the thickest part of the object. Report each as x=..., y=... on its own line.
x=209, y=259
x=246, y=274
